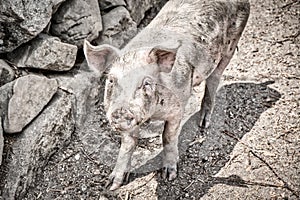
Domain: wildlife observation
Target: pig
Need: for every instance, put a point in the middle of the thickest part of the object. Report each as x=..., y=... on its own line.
x=152, y=77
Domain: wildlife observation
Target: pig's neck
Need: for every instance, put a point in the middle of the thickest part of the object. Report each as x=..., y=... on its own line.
x=167, y=104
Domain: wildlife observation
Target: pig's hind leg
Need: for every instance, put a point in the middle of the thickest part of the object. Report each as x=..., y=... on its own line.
x=234, y=33
x=212, y=83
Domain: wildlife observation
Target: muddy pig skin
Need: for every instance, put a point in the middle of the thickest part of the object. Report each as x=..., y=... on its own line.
x=152, y=77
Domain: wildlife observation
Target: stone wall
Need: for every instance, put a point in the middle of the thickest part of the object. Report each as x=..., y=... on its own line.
x=45, y=84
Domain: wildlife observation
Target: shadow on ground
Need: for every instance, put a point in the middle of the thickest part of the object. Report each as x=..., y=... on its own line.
x=238, y=107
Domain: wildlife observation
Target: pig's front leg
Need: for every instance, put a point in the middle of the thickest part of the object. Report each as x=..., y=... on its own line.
x=122, y=167
x=170, y=149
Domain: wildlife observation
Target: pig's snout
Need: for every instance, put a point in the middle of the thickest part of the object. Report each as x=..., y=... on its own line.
x=122, y=120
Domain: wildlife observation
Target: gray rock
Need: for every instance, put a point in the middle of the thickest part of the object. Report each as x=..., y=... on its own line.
x=6, y=92
x=30, y=95
x=118, y=27
x=138, y=9
x=31, y=150
x=108, y=4
x=1, y=141
x=85, y=87
x=45, y=52
x=77, y=20
x=6, y=73
x=20, y=21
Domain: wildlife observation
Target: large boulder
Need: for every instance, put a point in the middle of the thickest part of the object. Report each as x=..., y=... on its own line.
x=30, y=95
x=45, y=52
x=20, y=21
x=31, y=150
x=77, y=20
x=118, y=27
x=85, y=87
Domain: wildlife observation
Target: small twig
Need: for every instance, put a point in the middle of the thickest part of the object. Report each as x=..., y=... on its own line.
x=39, y=195
x=199, y=140
x=88, y=157
x=187, y=187
x=55, y=190
x=69, y=187
x=69, y=156
x=288, y=4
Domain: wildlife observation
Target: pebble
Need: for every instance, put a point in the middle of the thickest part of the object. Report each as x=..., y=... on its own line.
x=83, y=188
x=97, y=172
x=77, y=157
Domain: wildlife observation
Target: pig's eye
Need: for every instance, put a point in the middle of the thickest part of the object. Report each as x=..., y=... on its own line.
x=147, y=82
x=148, y=86
x=110, y=80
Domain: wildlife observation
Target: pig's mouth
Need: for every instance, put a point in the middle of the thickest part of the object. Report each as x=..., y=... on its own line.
x=124, y=120
x=124, y=125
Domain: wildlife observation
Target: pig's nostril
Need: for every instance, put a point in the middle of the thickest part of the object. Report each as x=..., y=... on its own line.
x=123, y=119
x=122, y=111
x=115, y=115
x=129, y=120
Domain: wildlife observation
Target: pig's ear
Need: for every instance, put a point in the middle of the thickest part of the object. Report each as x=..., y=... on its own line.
x=98, y=57
x=165, y=58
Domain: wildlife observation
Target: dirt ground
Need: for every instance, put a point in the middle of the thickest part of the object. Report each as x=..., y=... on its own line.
x=251, y=150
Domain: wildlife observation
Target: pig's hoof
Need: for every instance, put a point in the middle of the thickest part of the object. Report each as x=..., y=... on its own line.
x=115, y=182
x=115, y=186
x=169, y=173
x=204, y=118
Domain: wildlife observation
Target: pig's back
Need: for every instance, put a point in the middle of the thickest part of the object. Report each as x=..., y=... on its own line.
x=206, y=21
x=210, y=23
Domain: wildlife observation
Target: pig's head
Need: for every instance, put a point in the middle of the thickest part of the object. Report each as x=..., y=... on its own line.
x=131, y=92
